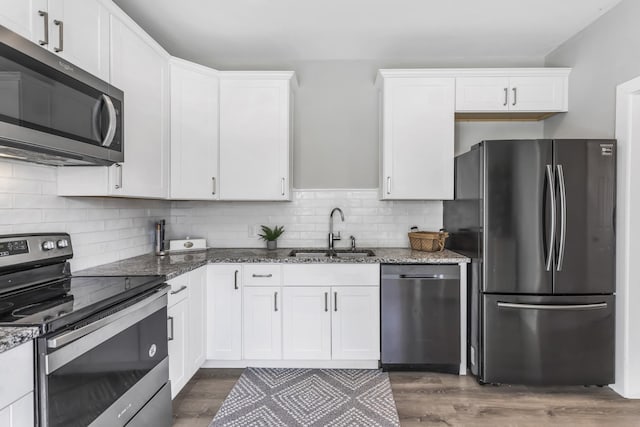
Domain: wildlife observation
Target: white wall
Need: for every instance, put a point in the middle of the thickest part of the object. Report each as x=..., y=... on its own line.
x=336, y=115
x=306, y=219
x=602, y=56
x=102, y=230
x=468, y=134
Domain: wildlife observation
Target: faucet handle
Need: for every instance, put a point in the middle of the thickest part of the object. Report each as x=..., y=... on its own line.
x=336, y=236
x=353, y=243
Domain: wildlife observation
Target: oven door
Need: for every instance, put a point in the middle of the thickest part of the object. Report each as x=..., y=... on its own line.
x=104, y=372
x=54, y=112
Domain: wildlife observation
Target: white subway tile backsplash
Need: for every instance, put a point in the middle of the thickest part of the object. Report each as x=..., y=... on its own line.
x=29, y=204
x=306, y=219
x=108, y=229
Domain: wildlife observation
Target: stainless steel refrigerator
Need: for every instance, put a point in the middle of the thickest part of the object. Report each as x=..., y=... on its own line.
x=537, y=217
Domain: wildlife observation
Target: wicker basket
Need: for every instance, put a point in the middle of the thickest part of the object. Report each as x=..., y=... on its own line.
x=428, y=241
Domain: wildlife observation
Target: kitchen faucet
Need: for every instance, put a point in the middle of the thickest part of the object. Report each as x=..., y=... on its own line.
x=334, y=237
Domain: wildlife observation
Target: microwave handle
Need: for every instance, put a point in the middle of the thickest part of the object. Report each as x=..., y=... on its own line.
x=111, y=130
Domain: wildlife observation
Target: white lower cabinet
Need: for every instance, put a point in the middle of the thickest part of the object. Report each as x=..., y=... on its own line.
x=177, y=319
x=19, y=413
x=186, y=327
x=262, y=323
x=196, y=320
x=224, y=312
x=355, y=323
x=306, y=323
x=16, y=386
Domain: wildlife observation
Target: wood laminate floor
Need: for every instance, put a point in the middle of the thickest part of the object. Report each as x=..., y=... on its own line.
x=430, y=399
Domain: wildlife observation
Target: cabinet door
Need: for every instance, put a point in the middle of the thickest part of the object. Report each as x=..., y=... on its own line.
x=19, y=413
x=355, y=325
x=482, y=94
x=194, y=132
x=79, y=32
x=306, y=323
x=196, y=320
x=254, y=139
x=538, y=93
x=141, y=71
x=177, y=320
x=25, y=17
x=418, y=142
x=262, y=323
x=224, y=312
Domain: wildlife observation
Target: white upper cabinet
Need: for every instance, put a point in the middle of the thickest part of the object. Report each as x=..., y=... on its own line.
x=76, y=30
x=526, y=90
x=417, y=137
x=79, y=33
x=29, y=18
x=482, y=94
x=140, y=68
x=194, y=131
x=538, y=93
x=255, y=135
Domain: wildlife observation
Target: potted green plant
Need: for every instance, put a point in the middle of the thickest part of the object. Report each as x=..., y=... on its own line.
x=270, y=235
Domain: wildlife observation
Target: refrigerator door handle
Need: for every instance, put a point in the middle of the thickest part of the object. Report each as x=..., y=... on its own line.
x=565, y=307
x=563, y=216
x=552, y=235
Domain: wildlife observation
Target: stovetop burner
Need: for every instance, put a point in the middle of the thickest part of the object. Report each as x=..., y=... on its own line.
x=61, y=302
x=36, y=288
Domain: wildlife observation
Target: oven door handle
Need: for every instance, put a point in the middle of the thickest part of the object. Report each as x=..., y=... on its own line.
x=74, y=343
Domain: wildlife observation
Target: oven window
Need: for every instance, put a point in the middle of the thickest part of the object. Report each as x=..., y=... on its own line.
x=34, y=96
x=84, y=388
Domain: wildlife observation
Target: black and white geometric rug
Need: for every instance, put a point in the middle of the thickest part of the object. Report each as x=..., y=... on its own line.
x=309, y=397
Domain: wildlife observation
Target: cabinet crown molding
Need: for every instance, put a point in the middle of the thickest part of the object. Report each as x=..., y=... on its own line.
x=469, y=72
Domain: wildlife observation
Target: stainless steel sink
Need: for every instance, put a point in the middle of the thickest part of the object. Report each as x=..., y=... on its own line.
x=337, y=253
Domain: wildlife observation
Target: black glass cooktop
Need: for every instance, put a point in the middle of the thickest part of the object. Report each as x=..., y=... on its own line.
x=57, y=304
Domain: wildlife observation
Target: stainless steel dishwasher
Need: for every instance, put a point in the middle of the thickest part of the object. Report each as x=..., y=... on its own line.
x=420, y=309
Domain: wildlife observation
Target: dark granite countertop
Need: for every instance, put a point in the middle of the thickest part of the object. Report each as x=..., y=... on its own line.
x=11, y=337
x=173, y=265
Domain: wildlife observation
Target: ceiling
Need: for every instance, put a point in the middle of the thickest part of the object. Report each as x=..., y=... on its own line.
x=218, y=32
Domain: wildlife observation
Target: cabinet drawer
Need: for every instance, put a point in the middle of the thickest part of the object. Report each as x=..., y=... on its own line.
x=262, y=274
x=331, y=275
x=178, y=292
x=16, y=371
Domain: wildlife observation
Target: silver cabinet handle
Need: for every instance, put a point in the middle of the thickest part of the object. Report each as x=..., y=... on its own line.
x=335, y=301
x=45, y=17
x=563, y=216
x=282, y=183
x=263, y=275
x=170, y=319
x=182, y=288
x=235, y=280
x=388, y=185
x=506, y=96
x=326, y=301
x=569, y=307
x=60, y=25
x=275, y=301
x=111, y=129
x=552, y=235
x=515, y=95
x=118, y=176
x=213, y=184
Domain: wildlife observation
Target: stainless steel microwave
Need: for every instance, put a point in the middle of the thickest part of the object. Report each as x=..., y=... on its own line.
x=53, y=112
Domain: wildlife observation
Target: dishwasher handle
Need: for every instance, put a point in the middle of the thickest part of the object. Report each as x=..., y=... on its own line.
x=420, y=277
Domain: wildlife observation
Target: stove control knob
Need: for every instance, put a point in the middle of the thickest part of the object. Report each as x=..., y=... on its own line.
x=63, y=243
x=48, y=245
